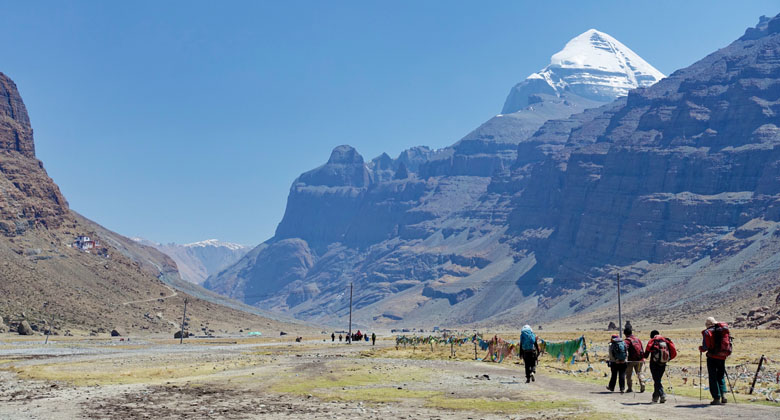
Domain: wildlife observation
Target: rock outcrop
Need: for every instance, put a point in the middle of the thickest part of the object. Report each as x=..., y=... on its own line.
x=28, y=197
x=24, y=328
x=15, y=131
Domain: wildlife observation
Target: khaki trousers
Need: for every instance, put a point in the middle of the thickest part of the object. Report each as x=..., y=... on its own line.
x=635, y=367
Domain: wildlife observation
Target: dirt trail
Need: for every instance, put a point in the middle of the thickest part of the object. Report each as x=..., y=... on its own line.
x=241, y=386
x=640, y=404
x=173, y=294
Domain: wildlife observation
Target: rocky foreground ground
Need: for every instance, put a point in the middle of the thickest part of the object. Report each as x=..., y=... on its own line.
x=242, y=378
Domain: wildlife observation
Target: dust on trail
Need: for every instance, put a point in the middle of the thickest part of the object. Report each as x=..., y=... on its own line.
x=310, y=380
x=174, y=293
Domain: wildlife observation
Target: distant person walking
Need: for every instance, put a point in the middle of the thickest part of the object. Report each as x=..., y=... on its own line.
x=716, y=341
x=373, y=339
x=530, y=346
x=333, y=337
x=660, y=350
x=340, y=337
x=617, y=363
x=636, y=359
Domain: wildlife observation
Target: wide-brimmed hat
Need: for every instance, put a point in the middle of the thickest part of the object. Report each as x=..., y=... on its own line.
x=710, y=322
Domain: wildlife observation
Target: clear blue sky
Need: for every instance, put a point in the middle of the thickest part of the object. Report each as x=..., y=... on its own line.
x=185, y=120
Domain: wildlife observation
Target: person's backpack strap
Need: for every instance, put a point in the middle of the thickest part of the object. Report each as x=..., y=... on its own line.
x=672, y=349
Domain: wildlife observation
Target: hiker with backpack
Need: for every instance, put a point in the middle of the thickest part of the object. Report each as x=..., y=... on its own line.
x=660, y=350
x=636, y=359
x=529, y=344
x=617, y=363
x=716, y=341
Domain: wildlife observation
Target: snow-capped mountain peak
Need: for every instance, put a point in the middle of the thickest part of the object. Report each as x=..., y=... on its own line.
x=593, y=65
x=595, y=49
x=215, y=243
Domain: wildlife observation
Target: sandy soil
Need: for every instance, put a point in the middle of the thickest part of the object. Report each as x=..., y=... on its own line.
x=242, y=378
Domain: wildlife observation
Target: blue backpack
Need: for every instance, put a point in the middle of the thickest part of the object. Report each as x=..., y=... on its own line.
x=618, y=349
x=527, y=340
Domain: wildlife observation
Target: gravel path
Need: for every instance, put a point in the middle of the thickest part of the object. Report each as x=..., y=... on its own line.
x=241, y=386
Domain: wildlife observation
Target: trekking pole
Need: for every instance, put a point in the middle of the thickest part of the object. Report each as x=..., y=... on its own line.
x=753, y=385
x=671, y=387
x=699, y=376
x=732, y=388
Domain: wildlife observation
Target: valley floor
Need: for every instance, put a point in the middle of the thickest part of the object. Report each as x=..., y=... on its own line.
x=241, y=378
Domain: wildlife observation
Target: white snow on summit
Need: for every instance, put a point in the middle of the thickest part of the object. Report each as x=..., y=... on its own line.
x=215, y=243
x=597, y=59
x=593, y=65
x=599, y=50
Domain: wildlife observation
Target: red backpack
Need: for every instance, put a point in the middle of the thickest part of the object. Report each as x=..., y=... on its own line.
x=634, y=349
x=721, y=339
x=662, y=350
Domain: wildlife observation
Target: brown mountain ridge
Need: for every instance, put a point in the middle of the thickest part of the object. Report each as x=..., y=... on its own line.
x=117, y=284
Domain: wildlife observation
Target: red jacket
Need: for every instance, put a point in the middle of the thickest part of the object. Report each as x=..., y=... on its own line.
x=630, y=340
x=651, y=344
x=708, y=343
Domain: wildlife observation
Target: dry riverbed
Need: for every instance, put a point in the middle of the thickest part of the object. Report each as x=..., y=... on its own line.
x=240, y=378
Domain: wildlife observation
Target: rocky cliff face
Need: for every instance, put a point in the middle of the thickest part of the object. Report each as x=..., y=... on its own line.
x=675, y=186
x=28, y=197
x=15, y=131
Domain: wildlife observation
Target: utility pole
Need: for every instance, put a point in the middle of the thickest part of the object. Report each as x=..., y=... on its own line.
x=350, y=314
x=183, y=320
x=620, y=309
x=51, y=321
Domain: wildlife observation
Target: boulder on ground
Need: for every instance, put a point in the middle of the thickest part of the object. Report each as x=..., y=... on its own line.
x=282, y=333
x=115, y=333
x=612, y=326
x=178, y=334
x=24, y=328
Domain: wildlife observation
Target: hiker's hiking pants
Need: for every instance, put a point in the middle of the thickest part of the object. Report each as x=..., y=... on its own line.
x=635, y=367
x=618, y=371
x=529, y=360
x=657, y=370
x=716, y=370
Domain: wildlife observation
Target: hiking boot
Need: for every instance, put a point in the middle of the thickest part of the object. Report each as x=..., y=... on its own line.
x=663, y=399
x=629, y=390
x=533, y=377
x=610, y=389
x=716, y=402
x=724, y=400
x=641, y=387
x=655, y=398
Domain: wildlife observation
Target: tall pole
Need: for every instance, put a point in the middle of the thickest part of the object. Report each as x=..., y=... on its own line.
x=620, y=310
x=350, y=313
x=183, y=320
